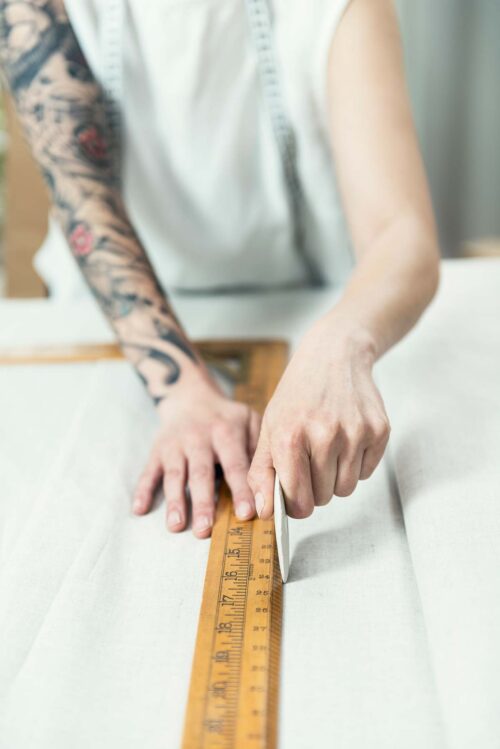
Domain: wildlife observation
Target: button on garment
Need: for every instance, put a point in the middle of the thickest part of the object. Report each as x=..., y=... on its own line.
x=202, y=173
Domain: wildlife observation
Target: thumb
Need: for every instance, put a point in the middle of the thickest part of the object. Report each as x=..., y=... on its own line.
x=261, y=478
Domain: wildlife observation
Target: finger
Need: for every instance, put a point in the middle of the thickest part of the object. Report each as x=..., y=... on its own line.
x=147, y=484
x=294, y=470
x=261, y=479
x=253, y=432
x=371, y=458
x=348, y=471
x=380, y=431
x=230, y=445
x=323, y=475
x=174, y=487
x=323, y=445
x=201, y=481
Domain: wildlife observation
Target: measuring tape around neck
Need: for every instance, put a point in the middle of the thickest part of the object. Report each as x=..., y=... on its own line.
x=261, y=31
x=261, y=28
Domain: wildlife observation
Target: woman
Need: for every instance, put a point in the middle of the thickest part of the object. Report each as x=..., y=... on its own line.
x=220, y=144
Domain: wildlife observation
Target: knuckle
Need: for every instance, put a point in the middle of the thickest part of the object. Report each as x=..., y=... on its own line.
x=252, y=472
x=146, y=477
x=168, y=453
x=165, y=445
x=201, y=472
x=289, y=439
x=337, y=437
x=241, y=410
x=202, y=507
x=253, y=480
x=189, y=436
x=173, y=473
x=345, y=487
x=175, y=503
x=335, y=426
x=320, y=432
x=236, y=467
x=222, y=430
x=379, y=429
x=382, y=429
x=355, y=430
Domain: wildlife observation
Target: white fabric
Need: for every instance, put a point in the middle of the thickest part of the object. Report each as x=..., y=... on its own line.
x=203, y=179
x=442, y=387
x=390, y=617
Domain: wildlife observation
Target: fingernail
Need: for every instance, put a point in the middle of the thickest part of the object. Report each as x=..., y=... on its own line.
x=136, y=507
x=259, y=503
x=174, y=518
x=202, y=523
x=244, y=510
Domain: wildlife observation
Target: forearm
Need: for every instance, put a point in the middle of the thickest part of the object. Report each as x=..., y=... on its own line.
x=63, y=112
x=381, y=177
x=394, y=281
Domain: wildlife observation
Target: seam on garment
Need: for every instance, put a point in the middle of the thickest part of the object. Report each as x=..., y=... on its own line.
x=260, y=23
x=318, y=82
x=260, y=20
x=111, y=41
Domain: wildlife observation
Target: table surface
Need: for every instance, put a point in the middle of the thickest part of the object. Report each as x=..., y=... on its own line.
x=392, y=609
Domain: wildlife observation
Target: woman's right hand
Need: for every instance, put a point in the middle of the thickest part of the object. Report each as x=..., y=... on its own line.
x=200, y=427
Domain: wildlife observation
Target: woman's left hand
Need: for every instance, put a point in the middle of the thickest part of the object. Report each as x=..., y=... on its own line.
x=325, y=427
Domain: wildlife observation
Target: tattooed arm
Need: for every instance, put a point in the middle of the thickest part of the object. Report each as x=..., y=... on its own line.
x=64, y=115
x=63, y=111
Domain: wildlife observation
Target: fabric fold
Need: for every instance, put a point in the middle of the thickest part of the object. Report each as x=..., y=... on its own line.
x=441, y=389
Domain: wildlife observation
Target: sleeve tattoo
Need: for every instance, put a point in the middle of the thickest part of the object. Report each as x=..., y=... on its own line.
x=63, y=111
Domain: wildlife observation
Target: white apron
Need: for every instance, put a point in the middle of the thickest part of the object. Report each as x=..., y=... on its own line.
x=202, y=173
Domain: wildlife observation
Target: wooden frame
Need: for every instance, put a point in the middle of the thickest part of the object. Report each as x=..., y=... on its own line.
x=487, y=247
x=26, y=213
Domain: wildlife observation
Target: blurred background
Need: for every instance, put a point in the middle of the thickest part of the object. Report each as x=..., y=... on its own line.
x=452, y=55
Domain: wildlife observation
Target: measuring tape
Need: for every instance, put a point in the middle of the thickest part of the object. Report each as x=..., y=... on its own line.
x=233, y=695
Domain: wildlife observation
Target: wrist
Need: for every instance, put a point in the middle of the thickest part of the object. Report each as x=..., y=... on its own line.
x=193, y=385
x=350, y=336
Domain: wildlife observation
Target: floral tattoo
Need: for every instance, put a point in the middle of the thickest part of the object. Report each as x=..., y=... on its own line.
x=64, y=114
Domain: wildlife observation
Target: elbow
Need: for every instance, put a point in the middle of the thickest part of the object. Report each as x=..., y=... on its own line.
x=424, y=259
x=430, y=275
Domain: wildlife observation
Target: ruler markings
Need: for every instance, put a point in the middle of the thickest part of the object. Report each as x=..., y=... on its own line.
x=233, y=701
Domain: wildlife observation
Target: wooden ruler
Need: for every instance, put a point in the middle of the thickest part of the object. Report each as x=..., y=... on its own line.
x=233, y=698
x=233, y=695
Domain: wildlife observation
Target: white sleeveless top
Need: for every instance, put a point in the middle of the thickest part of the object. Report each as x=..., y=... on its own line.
x=202, y=173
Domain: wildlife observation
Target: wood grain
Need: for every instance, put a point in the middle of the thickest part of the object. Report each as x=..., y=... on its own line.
x=233, y=697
